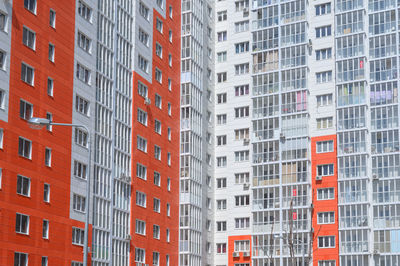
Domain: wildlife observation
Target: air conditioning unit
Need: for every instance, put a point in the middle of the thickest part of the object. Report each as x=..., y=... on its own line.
x=375, y=177
x=246, y=254
x=236, y=254
x=375, y=252
x=282, y=137
x=128, y=237
x=245, y=12
x=246, y=141
x=147, y=101
x=318, y=178
x=246, y=186
x=125, y=177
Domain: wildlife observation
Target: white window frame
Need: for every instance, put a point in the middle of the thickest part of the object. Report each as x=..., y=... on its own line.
x=21, y=229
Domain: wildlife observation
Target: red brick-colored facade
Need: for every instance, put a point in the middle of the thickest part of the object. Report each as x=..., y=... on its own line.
x=231, y=248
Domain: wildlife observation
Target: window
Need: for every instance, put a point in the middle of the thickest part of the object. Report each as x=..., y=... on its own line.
x=156, y=231
x=157, y=178
x=140, y=255
x=79, y=203
x=23, y=185
x=158, y=101
x=170, y=11
x=221, y=98
x=157, y=152
x=242, y=200
x=141, y=144
x=221, y=182
x=323, y=54
x=325, y=146
x=324, y=77
x=159, y=25
x=78, y=236
x=2, y=60
x=169, y=109
x=242, y=223
x=170, y=35
x=22, y=223
x=221, y=248
x=242, y=47
x=45, y=229
x=80, y=169
x=142, y=116
x=51, y=52
x=242, y=69
x=44, y=261
x=1, y=145
x=82, y=73
x=142, y=89
x=27, y=74
x=47, y=157
x=81, y=105
x=29, y=38
x=3, y=22
x=84, y=42
x=168, y=158
x=141, y=171
x=81, y=137
x=241, y=178
x=241, y=134
x=24, y=148
x=221, y=226
x=158, y=50
x=221, y=204
x=75, y=263
x=326, y=217
x=52, y=18
x=221, y=36
x=325, y=170
x=326, y=241
x=140, y=227
x=325, y=193
x=167, y=236
x=25, y=110
x=143, y=64
x=144, y=11
x=46, y=193
x=160, y=3
x=241, y=245
x=324, y=123
x=241, y=26
x=143, y=37
x=326, y=263
x=169, y=184
x=84, y=11
x=170, y=64
x=2, y=97
x=30, y=5
x=221, y=56
x=241, y=156
x=323, y=31
x=20, y=259
x=169, y=133
x=168, y=209
x=156, y=205
x=241, y=112
x=50, y=86
x=242, y=90
x=221, y=77
x=221, y=119
x=222, y=16
x=323, y=9
x=140, y=199
x=221, y=161
x=158, y=75
x=324, y=100
x=221, y=140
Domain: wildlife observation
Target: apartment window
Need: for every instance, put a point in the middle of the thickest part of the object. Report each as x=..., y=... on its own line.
x=221, y=182
x=1, y=146
x=160, y=3
x=325, y=146
x=3, y=21
x=44, y=261
x=221, y=248
x=29, y=38
x=30, y=5
x=326, y=263
x=221, y=77
x=324, y=100
x=22, y=223
x=84, y=11
x=25, y=110
x=27, y=74
x=81, y=137
x=24, y=148
x=168, y=158
x=142, y=116
x=323, y=9
x=221, y=98
x=81, y=105
x=221, y=36
x=241, y=112
x=242, y=69
x=45, y=229
x=140, y=227
x=167, y=235
x=52, y=18
x=2, y=60
x=170, y=11
x=221, y=140
x=241, y=156
x=144, y=11
x=156, y=231
x=78, y=236
x=79, y=203
x=326, y=217
x=170, y=35
x=324, y=123
x=2, y=97
x=142, y=89
x=50, y=86
x=140, y=255
x=84, y=42
x=158, y=50
x=242, y=200
x=159, y=25
x=242, y=223
x=141, y=171
x=242, y=47
x=47, y=157
x=140, y=199
x=242, y=90
x=143, y=64
x=325, y=170
x=324, y=77
x=169, y=109
x=156, y=205
x=221, y=204
x=157, y=178
x=158, y=75
x=141, y=144
x=143, y=37
x=222, y=16
x=241, y=134
x=82, y=73
x=169, y=184
x=221, y=226
x=170, y=64
x=221, y=161
x=75, y=263
x=51, y=52
x=46, y=193
x=325, y=193
x=221, y=56
x=23, y=186
x=241, y=245
x=158, y=101
x=240, y=5
x=241, y=26
x=20, y=259
x=221, y=119
x=324, y=31
x=168, y=209
x=241, y=178
x=326, y=241
x=323, y=54
x=169, y=133
x=80, y=170
x=157, y=152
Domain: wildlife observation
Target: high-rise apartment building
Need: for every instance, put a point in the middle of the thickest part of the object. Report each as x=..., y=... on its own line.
x=305, y=147
x=111, y=66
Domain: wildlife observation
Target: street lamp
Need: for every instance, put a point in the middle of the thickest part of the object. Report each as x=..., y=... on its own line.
x=39, y=123
x=276, y=236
